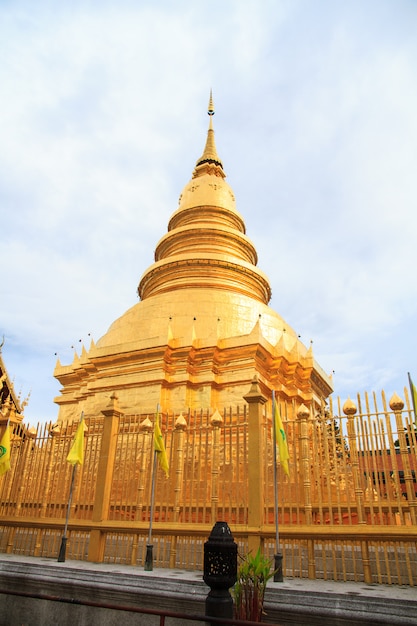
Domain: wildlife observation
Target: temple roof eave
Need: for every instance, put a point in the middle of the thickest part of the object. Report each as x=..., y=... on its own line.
x=281, y=372
x=8, y=384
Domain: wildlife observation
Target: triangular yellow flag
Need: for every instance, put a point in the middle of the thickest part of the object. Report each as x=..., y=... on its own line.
x=159, y=447
x=5, y=451
x=76, y=453
x=281, y=440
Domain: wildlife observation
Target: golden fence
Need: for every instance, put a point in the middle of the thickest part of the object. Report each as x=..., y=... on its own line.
x=346, y=512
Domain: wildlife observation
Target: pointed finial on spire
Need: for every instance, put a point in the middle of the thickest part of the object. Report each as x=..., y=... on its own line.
x=211, y=104
x=211, y=111
x=210, y=155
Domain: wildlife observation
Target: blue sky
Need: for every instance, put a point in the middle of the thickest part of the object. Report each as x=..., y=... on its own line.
x=103, y=115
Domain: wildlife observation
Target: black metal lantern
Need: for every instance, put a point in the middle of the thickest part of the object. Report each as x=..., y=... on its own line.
x=220, y=570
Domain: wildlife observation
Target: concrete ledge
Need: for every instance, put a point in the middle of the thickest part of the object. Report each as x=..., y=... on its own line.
x=320, y=602
x=295, y=601
x=122, y=586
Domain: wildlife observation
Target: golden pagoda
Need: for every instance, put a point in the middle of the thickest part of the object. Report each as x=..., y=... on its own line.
x=202, y=328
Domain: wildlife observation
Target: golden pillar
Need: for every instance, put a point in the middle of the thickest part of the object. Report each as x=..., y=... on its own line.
x=178, y=456
x=49, y=462
x=146, y=429
x=256, y=400
x=303, y=414
x=397, y=405
x=146, y=439
x=216, y=421
x=104, y=477
x=349, y=409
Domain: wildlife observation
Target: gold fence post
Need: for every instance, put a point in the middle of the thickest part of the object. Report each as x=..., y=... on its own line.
x=397, y=405
x=145, y=444
x=216, y=421
x=303, y=414
x=178, y=455
x=111, y=414
x=349, y=409
x=54, y=432
x=46, y=482
x=256, y=463
x=179, y=433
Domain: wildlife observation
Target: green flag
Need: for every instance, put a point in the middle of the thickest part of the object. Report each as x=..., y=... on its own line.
x=5, y=451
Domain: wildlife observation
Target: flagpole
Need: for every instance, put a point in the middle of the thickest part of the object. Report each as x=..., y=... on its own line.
x=149, y=547
x=75, y=456
x=63, y=548
x=278, y=577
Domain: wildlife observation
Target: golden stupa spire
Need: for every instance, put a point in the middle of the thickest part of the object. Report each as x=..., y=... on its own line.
x=210, y=153
x=206, y=246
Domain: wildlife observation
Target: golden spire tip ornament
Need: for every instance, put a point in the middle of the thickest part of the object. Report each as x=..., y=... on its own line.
x=210, y=153
x=211, y=104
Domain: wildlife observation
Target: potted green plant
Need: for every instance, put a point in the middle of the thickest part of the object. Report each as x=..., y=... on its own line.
x=249, y=590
